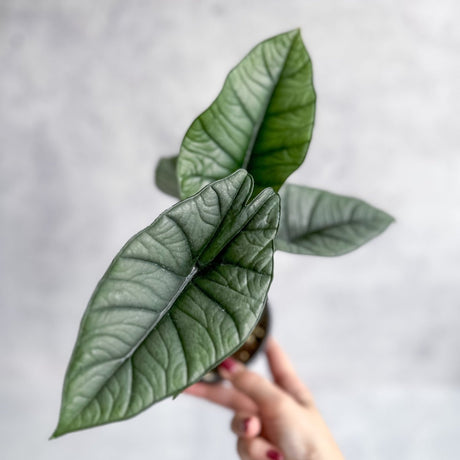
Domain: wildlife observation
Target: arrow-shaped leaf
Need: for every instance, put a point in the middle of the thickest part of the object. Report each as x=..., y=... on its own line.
x=180, y=296
x=261, y=121
x=321, y=223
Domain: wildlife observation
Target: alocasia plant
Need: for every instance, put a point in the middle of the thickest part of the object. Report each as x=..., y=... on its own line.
x=186, y=292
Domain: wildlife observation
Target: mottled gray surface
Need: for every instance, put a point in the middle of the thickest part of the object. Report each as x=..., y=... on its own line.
x=92, y=93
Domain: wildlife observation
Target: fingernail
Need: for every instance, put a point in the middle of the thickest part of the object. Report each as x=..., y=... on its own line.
x=274, y=455
x=229, y=365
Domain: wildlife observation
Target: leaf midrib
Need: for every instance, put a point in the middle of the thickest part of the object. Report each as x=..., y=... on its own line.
x=139, y=343
x=331, y=227
x=258, y=123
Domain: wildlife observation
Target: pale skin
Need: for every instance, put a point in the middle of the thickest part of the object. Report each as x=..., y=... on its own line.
x=272, y=419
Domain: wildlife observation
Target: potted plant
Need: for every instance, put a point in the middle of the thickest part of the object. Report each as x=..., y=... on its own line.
x=188, y=290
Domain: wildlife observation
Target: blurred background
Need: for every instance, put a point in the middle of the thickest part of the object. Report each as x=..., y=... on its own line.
x=93, y=93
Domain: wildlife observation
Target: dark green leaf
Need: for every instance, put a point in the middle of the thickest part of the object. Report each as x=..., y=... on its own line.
x=180, y=296
x=262, y=120
x=320, y=223
x=165, y=176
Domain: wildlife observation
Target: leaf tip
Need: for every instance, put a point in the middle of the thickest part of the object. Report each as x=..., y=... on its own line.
x=388, y=219
x=61, y=429
x=294, y=32
x=55, y=435
x=241, y=173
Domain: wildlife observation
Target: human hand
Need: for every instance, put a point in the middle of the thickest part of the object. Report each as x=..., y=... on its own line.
x=273, y=420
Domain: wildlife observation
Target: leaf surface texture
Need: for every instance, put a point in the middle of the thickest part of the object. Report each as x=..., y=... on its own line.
x=262, y=119
x=321, y=223
x=179, y=297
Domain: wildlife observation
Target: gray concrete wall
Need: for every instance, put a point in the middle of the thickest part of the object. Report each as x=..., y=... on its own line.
x=92, y=93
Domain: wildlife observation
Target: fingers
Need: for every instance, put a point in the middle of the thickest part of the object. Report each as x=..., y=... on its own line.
x=246, y=425
x=257, y=449
x=284, y=374
x=224, y=396
x=263, y=392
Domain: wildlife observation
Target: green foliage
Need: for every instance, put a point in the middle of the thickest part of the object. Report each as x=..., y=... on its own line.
x=262, y=120
x=165, y=176
x=182, y=295
x=226, y=137
x=320, y=223
x=185, y=292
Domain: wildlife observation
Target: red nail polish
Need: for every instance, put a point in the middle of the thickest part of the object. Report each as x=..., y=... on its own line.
x=229, y=364
x=246, y=424
x=274, y=455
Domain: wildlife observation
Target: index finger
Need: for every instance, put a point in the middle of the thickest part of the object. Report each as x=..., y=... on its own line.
x=263, y=392
x=223, y=396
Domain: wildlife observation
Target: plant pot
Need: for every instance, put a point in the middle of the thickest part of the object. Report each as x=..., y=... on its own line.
x=250, y=348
